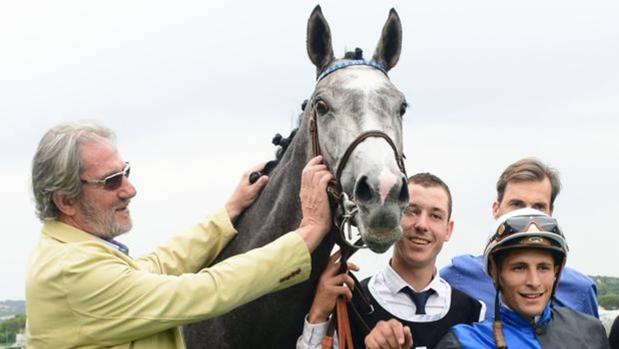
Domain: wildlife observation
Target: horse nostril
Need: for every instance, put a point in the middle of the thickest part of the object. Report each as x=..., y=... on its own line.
x=404, y=195
x=363, y=191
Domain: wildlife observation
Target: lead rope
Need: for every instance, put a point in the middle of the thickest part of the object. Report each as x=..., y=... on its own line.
x=341, y=313
x=340, y=320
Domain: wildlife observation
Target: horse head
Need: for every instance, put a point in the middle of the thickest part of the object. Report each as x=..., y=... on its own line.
x=357, y=112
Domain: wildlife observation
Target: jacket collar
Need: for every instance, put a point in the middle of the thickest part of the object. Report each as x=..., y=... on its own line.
x=69, y=234
x=66, y=233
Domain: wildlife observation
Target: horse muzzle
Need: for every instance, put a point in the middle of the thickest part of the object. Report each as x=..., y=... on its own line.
x=380, y=202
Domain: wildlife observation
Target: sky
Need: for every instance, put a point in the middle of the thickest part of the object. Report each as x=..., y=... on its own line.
x=196, y=89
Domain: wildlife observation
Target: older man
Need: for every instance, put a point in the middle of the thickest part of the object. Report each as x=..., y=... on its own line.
x=84, y=291
x=525, y=183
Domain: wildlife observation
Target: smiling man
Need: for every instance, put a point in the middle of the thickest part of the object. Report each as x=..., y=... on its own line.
x=84, y=290
x=412, y=304
x=525, y=258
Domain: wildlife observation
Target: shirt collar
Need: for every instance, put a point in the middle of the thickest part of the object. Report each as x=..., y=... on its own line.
x=395, y=282
x=117, y=245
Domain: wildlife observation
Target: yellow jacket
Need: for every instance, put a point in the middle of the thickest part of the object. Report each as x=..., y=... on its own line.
x=83, y=293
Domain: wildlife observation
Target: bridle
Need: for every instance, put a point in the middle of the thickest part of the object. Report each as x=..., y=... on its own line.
x=344, y=212
x=345, y=207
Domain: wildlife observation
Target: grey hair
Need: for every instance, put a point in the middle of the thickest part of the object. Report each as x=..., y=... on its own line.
x=57, y=163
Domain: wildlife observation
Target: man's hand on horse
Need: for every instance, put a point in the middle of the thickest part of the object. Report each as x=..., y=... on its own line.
x=245, y=193
x=389, y=335
x=331, y=285
x=316, y=220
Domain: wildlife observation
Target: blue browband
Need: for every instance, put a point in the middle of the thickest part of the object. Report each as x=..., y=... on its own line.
x=348, y=63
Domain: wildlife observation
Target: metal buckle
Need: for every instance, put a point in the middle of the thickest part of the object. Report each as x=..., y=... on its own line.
x=349, y=211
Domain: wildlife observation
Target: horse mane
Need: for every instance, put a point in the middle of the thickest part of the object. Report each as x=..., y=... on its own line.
x=283, y=143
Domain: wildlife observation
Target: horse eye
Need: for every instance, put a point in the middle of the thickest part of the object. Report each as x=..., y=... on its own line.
x=321, y=107
x=403, y=108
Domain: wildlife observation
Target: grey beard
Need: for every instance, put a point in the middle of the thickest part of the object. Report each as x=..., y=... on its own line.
x=105, y=225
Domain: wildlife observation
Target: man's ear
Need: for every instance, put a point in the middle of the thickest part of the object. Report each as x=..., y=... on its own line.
x=450, y=229
x=65, y=204
x=495, y=209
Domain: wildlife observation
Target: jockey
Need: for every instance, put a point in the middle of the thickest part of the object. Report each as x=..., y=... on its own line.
x=524, y=258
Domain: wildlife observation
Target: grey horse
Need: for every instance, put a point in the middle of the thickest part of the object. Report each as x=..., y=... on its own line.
x=346, y=103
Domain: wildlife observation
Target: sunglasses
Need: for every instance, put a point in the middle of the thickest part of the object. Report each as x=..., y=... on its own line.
x=113, y=181
x=522, y=224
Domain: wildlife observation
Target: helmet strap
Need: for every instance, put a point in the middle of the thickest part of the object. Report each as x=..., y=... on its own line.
x=497, y=326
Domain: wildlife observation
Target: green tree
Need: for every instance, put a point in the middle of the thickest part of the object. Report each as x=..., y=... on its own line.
x=609, y=301
x=10, y=327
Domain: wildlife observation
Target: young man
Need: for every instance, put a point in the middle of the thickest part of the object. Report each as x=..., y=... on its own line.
x=525, y=258
x=412, y=304
x=525, y=183
x=84, y=291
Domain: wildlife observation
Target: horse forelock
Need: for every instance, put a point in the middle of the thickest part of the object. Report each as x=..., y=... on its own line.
x=356, y=54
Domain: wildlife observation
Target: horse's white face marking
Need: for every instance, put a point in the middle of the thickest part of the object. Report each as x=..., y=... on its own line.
x=386, y=181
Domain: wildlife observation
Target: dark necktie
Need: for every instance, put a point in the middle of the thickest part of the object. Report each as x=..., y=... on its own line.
x=419, y=299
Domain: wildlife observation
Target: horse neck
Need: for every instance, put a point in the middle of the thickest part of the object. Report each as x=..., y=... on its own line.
x=278, y=206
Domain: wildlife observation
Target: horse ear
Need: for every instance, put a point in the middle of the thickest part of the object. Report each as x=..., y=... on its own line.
x=319, y=46
x=390, y=45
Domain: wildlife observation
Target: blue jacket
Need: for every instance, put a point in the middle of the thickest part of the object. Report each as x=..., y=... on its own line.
x=556, y=328
x=576, y=290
